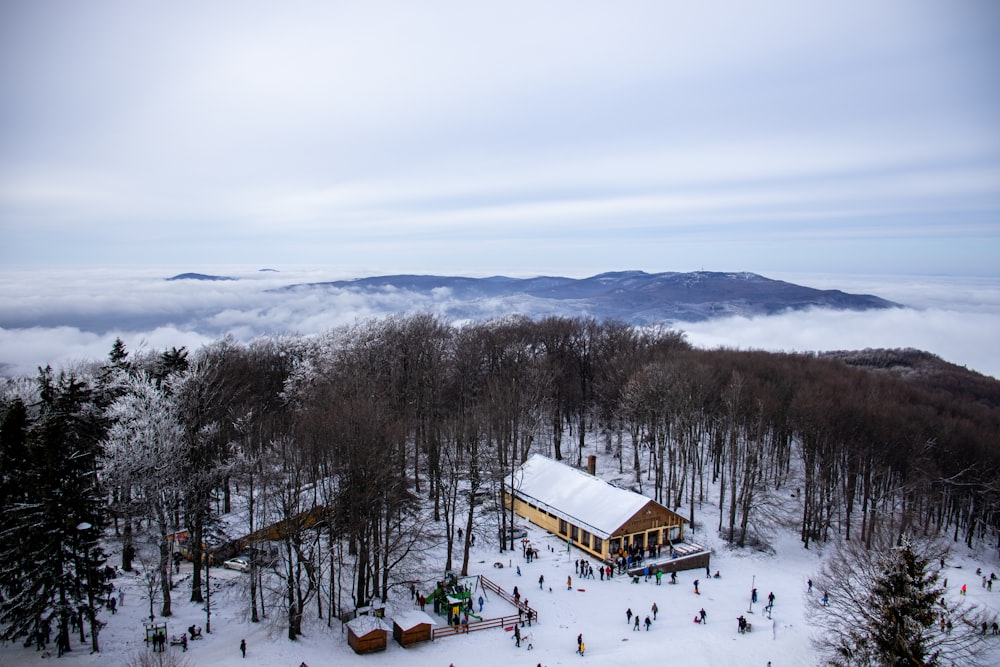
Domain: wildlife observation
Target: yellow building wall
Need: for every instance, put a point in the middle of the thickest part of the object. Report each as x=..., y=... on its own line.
x=648, y=524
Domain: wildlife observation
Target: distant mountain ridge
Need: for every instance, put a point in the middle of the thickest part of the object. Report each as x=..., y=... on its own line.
x=198, y=276
x=635, y=297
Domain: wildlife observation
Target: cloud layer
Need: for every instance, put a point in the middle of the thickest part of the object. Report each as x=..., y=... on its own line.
x=61, y=316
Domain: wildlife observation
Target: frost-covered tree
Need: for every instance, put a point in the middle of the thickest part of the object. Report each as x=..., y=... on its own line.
x=883, y=607
x=143, y=445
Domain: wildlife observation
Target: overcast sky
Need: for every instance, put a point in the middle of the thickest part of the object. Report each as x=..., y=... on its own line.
x=503, y=137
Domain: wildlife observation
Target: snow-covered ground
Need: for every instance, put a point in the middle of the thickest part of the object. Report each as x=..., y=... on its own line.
x=594, y=608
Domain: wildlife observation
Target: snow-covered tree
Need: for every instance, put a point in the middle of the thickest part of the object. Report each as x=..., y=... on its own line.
x=144, y=444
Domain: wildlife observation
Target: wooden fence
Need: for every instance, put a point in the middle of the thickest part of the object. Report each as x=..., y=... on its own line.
x=489, y=623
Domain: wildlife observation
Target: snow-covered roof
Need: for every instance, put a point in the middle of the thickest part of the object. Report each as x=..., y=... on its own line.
x=578, y=497
x=362, y=625
x=411, y=619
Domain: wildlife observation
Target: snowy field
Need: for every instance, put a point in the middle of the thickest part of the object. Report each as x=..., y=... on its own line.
x=594, y=608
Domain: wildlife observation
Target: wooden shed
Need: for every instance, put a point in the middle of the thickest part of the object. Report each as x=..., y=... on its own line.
x=367, y=634
x=412, y=627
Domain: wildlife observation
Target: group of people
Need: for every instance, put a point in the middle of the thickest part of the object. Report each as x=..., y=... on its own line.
x=987, y=581
x=159, y=641
x=586, y=571
x=648, y=622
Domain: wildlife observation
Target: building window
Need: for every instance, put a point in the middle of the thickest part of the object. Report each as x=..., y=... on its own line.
x=574, y=533
x=598, y=544
x=562, y=526
x=585, y=538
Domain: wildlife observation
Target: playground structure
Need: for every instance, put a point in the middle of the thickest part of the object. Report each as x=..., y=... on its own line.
x=451, y=598
x=463, y=593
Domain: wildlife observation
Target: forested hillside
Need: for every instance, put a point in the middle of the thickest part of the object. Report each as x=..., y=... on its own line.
x=372, y=441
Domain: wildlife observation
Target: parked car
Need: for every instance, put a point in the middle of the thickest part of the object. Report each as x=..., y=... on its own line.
x=517, y=532
x=238, y=563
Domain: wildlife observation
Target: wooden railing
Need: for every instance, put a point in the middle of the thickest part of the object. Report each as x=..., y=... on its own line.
x=485, y=624
x=489, y=623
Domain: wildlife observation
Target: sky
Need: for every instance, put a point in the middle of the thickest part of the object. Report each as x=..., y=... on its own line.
x=517, y=138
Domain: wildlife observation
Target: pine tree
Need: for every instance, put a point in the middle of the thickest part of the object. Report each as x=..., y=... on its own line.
x=50, y=557
x=881, y=607
x=903, y=609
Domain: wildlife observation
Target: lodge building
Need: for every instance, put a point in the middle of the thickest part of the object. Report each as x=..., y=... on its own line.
x=593, y=515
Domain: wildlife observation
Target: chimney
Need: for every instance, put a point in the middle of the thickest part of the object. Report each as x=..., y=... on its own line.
x=592, y=464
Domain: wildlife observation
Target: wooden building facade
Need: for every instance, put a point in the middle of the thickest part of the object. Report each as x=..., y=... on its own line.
x=595, y=516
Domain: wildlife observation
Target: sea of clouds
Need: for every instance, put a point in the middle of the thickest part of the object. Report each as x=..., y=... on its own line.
x=61, y=317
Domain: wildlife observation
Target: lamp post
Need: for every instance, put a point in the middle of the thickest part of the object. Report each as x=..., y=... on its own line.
x=208, y=597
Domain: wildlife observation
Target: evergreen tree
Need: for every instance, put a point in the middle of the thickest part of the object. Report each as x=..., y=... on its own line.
x=903, y=609
x=51, y=559
x=881, y=607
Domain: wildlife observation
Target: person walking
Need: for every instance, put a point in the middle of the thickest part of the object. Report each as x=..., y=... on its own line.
x=569, y=583
x=696, y=592
x=635, y=626
x=654, y=610
x=541, y=581
x=703, y=615
x=517, y=636
x=579, y=643
x=243, y=647
x=647, y=622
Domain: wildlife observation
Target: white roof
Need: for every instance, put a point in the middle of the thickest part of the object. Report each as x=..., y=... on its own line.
x=412, y=619
x=571, y=494
x=362, y=625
